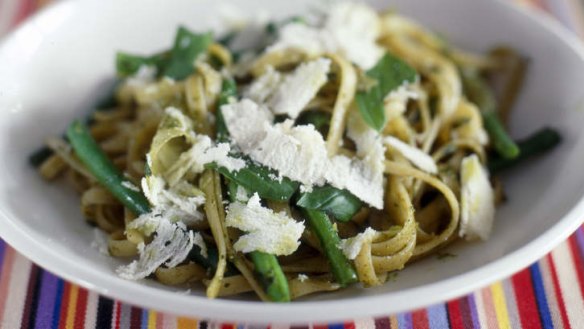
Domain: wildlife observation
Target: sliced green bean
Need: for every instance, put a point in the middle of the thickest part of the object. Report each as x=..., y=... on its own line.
x=322, y=227
x=104, y=170
x=271, y=276
x=540, y=142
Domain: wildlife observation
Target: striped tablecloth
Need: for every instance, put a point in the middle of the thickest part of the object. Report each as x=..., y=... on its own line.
x=548, y=294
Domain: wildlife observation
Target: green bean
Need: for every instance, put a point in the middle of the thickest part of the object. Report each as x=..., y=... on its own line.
x=479, y=93
x=341, y=267
x=271, y=276
x=104, y=170
x=266, y=266
x=539, y=142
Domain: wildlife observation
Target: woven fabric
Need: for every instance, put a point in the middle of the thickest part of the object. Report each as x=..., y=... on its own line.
x=547, y=294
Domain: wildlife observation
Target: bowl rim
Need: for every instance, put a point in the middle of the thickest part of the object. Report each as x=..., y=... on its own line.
x=328, y=311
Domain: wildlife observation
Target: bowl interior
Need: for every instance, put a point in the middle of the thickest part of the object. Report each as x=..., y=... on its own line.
x=56, y=65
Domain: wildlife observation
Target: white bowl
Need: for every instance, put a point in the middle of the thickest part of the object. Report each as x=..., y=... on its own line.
x=55, y=64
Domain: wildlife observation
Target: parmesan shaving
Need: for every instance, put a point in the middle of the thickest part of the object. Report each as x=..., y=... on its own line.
x=170, y=246
x=266, y=231
x=477, y=200
x=351, y=30
x=416, y=156
x=351, y=247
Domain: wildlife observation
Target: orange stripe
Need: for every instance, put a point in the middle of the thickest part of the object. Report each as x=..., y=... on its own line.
x=393, y=322
x=186, y=323
x=9, y=255
x=64, y=306
x=71, y=308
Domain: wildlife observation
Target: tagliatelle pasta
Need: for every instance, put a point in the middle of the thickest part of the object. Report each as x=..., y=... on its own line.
x=296, y=168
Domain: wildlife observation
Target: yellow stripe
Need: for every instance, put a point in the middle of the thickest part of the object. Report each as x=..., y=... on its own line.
x=500, y=305
x=186, y=323
x=151, y=320
x=72, y=307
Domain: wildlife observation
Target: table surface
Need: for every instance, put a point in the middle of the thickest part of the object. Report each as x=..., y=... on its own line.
x=547, y=294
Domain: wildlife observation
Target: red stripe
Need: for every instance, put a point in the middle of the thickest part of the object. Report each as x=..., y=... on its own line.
x=135, y=318
x=320, y=326
x=118, y=315
x=420, y=319
x=227, y=326
x=558, y=292
x=349, y=325
x=81, y=308
x=525, y=297
x=28, y=302
x=454, y=315
x=27, y=7
x=578, y=261
x=64, y=306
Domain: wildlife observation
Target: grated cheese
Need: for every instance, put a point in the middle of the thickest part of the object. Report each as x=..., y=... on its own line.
x=266, y=231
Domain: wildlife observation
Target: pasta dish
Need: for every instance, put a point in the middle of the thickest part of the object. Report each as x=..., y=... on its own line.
x=335, y=150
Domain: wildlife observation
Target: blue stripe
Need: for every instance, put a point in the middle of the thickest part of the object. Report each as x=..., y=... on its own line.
x=541, y=299
x=57, y=308
x=2, y=252
x=144, y=319
x=438, y=316
x=404, y=321
x=336, y=326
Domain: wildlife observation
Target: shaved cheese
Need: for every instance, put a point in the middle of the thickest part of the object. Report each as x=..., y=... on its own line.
x=299, y=36
x=355, y=27
x=170, y=246
x=204, y=152
x=299, y=152
x=416, y=156
x=350, y=30
x=351, y=247
x=477, y=201
x=266, y=231
x=199, y=242
x=245, y=121
x=299, y=87
x=296, y=152
x=264, y=86
x=174, y=202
